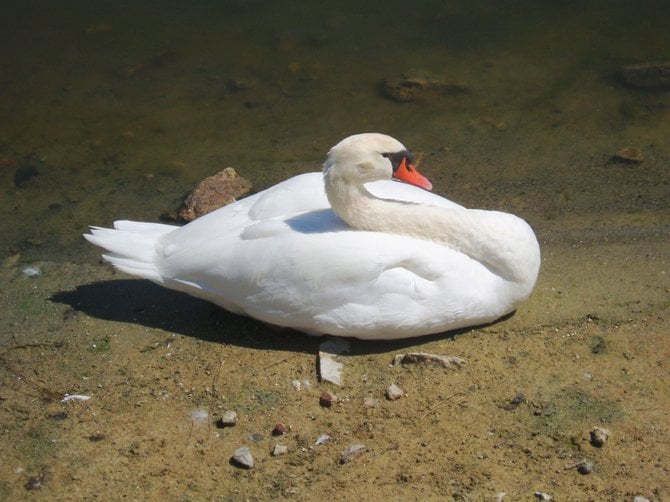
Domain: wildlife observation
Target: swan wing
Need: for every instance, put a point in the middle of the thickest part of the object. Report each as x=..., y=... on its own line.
x=313, y=273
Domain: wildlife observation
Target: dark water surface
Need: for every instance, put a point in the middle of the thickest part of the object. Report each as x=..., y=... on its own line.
x=116, y=109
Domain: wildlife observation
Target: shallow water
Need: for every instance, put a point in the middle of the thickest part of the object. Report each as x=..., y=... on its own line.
x=116, y=110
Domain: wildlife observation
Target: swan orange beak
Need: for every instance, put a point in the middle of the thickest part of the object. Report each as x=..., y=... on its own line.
x=408, y=173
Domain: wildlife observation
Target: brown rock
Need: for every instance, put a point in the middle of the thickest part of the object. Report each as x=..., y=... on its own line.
x=647, y=75
x=416, y=85
x=327, y=399
x=214, y=192
x=280, y=429
x=240, y=84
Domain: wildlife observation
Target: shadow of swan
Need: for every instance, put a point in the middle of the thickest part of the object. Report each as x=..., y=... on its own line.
x=142, y=302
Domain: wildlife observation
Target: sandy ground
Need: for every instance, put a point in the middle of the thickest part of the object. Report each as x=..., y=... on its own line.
x=117, y=113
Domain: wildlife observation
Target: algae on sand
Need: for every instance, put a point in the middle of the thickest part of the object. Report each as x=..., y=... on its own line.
x=571, y=408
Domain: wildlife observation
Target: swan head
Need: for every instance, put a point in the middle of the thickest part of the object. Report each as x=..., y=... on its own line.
x=363, y=158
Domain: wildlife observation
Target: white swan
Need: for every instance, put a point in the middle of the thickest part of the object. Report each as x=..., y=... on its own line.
x=367, y=257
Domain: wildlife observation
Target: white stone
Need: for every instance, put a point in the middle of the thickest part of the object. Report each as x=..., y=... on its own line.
x=323, y=439
x=242, y=457
x=352, y=452
x=330, y=368
x=229, y=418
x=394, y=392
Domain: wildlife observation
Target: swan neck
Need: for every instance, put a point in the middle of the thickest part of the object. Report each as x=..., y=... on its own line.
x=354, y=204
x=489, y=237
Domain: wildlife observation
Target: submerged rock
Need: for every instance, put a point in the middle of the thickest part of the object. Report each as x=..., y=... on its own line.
x=629, y=155
x=24, y=173
x=416, y=85
x=646, y=75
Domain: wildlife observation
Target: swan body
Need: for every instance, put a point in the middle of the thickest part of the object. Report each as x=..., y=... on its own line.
x=347, y=253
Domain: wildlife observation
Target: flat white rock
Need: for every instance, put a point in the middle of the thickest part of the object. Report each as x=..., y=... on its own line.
x=330, y=368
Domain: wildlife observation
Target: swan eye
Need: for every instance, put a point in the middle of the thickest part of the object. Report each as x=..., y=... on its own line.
x=397, y=157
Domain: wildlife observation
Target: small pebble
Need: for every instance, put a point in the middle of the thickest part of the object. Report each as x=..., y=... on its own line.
x=352, y=452
x=394, y=392
x=228, y=419
x=279, y=449
x=543, y=496
x=322, y=439
x=371, y=402
x=279, y=429
x=242, y=458
x=297, y=386
x=515, y=402
x=599, y=436
x=74, y=397
x=327, y=399
x=585, y=468
x=32, y=272
x=640, y=498
x=35, y=483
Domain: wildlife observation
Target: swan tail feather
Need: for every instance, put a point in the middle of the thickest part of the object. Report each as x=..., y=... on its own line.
x=132, y=247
